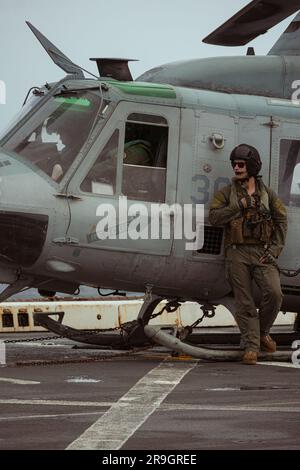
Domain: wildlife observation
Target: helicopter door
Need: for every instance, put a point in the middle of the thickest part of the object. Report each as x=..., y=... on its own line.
x=286, y=181
x=256, y=131
x=129, y=172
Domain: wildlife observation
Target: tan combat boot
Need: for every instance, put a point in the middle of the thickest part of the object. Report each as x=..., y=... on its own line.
x=267, y=344
x=250, y=358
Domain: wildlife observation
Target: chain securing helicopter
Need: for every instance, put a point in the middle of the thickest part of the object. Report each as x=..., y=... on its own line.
x=64, y=156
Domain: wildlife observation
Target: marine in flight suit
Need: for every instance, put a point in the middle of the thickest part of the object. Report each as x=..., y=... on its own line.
x=255, y=223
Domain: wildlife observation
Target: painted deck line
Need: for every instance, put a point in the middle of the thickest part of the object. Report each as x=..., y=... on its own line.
x=280, y=364
x=19, y=381
x=61, y=415
x=258, y=409
x=119, y=423
x=16, y=401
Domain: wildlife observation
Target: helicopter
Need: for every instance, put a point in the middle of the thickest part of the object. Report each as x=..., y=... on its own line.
x=64, y=174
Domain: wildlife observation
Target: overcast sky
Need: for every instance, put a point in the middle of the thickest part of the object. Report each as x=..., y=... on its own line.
x=153, y=31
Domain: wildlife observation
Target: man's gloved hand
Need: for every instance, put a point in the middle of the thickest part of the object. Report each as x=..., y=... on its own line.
x=267, y=258
x=247, y=202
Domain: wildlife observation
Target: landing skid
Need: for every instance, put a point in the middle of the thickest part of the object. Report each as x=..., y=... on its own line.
x=130, y=335
x=105, y=339
x=139, y=333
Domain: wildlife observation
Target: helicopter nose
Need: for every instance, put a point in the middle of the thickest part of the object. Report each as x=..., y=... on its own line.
x=22, y=237
x=24, y=217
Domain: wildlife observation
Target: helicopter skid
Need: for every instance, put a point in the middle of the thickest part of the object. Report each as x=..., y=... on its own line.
x=133, y=334
x=107, y=339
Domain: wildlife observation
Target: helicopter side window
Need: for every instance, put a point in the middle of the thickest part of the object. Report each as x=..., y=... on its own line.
x=101, y=179
x=145, y=158
x=289, y=171
x=52, y=138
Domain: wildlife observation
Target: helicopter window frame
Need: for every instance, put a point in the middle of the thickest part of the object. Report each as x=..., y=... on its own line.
x=106, y=185
x=28, y=120
x=289, y=168
x=145, y=156
x=147, y=119
x=120, y=110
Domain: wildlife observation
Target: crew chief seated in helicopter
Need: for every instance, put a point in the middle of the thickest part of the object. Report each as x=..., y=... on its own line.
x=138, y=152
x=255, y=230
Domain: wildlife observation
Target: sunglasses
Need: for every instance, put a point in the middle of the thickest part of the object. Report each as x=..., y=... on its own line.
x=238, y=164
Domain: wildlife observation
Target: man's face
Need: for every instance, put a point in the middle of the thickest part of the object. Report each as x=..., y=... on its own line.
x=240, y=169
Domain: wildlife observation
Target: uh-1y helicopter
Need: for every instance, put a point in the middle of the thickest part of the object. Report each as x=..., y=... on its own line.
x=64, y=157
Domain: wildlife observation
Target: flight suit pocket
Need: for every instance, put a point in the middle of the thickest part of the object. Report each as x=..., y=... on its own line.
x=228, y=265
x=236, y=231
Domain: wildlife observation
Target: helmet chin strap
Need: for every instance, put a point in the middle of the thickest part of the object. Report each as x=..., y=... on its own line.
x=242, y=180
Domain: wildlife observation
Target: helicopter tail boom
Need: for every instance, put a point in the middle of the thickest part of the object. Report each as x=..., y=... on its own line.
x=289, y=42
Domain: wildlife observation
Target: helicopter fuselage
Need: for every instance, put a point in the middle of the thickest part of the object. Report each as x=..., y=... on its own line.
x=64, y=159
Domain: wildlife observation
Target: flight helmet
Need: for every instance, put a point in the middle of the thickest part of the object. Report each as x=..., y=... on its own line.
x=250, y=155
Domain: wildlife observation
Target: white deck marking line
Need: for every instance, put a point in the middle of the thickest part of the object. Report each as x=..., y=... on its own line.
x=62, y=415
x=18, y=381
x=196, y=407
x=280, y=364
x=119, y=423
x=16, y=401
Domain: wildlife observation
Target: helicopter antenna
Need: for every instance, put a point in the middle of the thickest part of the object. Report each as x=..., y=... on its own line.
x=79, y=66
x=57, y=56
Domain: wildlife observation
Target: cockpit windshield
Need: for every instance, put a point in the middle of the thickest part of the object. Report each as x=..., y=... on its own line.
x=32, y=100
x=54, y=135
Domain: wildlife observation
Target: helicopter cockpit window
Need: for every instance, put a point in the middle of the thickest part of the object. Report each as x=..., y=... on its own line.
x=52, y=138
x=101, y=179
x=289, y=171
x=145, y=158
x=32, y=100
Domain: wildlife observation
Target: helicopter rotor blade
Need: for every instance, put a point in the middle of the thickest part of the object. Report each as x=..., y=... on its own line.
x=56, y=55
x=254, y=19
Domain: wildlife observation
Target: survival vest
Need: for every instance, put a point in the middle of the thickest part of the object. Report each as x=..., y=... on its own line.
x=255, y=226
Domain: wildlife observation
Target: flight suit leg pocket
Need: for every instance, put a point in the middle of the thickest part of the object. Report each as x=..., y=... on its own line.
x=228, y=271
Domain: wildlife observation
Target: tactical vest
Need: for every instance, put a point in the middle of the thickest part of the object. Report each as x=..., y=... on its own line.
x=255, y=226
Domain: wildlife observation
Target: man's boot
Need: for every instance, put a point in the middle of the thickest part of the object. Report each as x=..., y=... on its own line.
x=267, y=344
x=250, y=358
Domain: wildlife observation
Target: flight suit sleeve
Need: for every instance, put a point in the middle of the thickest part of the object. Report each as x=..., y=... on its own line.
x=279, y=217
x=223, y=208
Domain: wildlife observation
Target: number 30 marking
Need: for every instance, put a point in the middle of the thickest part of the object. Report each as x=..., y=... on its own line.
x=203, y=190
